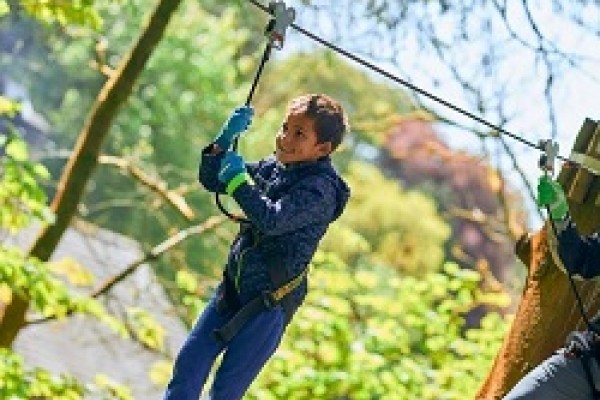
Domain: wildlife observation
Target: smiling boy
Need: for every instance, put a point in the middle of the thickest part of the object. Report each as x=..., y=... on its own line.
x=290, y=200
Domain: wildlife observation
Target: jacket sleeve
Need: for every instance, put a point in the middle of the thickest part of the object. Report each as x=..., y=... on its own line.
x=579, y=254
x=208, y=170
x=312, y=201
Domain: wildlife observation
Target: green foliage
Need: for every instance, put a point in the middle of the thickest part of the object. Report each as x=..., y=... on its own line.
x=374, y=334
x=8, y=107
x=193, y=79
x=21, y=198
x=188, y=287
x=106, y=388
x=146, y=329
x=367, y=330
x=17, y=383
x=22, y=202
x=28, y=277
x=76, y=12
x=397, y=227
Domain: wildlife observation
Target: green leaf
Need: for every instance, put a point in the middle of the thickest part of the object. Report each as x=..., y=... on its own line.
x=17, y=149
x=4, y=9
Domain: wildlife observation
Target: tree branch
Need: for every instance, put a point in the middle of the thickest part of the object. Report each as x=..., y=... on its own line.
x=151, y=255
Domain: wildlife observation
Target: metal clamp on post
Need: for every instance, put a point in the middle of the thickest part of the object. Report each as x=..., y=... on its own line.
x=283, y=17
x=548, y=157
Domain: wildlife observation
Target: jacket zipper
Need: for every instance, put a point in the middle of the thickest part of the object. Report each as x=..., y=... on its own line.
x=240, y=261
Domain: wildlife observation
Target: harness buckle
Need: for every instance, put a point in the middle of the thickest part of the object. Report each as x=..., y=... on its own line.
x=268, y=299
x=283, y=17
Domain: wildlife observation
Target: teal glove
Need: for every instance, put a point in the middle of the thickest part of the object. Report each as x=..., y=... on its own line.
x=233, y=172
x=551, y=194
x=238, y=122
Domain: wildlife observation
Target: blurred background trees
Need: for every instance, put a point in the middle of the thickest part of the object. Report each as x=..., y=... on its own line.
x=428, y=234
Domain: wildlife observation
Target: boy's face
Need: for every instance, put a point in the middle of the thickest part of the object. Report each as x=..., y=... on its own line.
x=297, y=140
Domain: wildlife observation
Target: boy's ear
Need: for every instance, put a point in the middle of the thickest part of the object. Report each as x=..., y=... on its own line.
x=324, y=148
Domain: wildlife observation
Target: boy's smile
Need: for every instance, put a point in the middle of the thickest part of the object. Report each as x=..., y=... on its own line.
x=297, y=140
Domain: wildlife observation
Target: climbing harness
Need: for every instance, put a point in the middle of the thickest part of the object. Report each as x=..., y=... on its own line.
x=267, y=300
x=283, y=17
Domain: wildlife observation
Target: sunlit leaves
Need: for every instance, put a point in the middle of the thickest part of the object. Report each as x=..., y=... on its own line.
x=107, y=387
x=160, y=373
x=398, y=227
x=26, y=276
x=7, y=107
x=18, y=383
x=187, y=284
x=75, y=273
x=3, y=8
x=146, y=329
x=21, y=198
x=76, y=12
x=374, y=333
x=22, y=201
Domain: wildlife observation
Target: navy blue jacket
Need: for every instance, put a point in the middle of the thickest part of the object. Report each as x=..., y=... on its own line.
x=579, y=254
x=290, y=208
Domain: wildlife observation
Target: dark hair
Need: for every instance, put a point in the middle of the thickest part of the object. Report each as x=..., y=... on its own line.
x=327, y=114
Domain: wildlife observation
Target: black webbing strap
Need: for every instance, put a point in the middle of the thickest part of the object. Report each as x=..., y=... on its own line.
x=586, y=358
x=584, y=345
x=239, y=319
x=266, y=301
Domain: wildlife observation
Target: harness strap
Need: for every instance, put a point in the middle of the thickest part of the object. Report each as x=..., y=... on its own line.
x=586, y=357
x=266, y=301
x=584, y=345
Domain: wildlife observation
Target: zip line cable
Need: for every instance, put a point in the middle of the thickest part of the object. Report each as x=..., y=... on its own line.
x=582, y=310
x=421, y=91
x=548, y=147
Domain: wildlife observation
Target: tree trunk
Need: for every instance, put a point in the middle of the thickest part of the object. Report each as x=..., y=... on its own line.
x=84, y=158
x=548, y=310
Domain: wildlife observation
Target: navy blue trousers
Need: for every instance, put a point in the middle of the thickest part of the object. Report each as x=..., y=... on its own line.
x=243, y=357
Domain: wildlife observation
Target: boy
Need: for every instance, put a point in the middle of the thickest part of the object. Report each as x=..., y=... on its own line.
x=289, y=200
x=572, y=373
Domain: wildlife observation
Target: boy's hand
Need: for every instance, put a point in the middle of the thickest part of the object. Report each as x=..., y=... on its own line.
x=238, y=122
x=551, y=194
x=233, y=171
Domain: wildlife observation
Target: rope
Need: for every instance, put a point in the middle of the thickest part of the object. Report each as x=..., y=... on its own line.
x=421, y=91
x=578, y=298
x=263, y=61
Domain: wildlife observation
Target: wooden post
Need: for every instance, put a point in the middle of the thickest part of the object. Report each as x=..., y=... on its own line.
x=548, y=310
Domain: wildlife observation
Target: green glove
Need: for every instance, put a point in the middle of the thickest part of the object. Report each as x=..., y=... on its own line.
x=237, y=123
x=233, y=172
x=551, y=194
